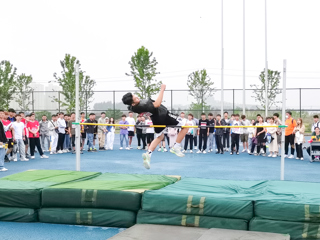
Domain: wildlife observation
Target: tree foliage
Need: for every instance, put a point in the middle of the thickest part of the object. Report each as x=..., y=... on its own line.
x=273, y=91
x=116, y=113
x=67, y=81
x=7, y=83
x=24, y=91
x=200, y=87
x=143, y=70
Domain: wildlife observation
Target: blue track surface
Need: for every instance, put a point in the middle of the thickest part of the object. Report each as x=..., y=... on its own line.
x=211, y=165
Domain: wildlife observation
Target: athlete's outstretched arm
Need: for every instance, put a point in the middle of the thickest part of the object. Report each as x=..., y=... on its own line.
x=158, y=102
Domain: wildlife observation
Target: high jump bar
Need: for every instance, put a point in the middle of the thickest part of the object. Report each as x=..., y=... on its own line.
x=175, y=126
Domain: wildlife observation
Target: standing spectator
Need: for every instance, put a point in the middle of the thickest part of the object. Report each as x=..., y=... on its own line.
x=66, y=143
x=251, y=131
x=183, y=123
x=90, y=129
x=54, y=134
x=203, y=133
x=33, y=128
x=44, y=133
x=72, y=133
x=83, y=131
x=235, y=136
x=9, y=132
x=273, y=145
x=299, y=138
x=219, y=134
x=144, y=133
x=110, y=135
x=149, y=131
x=195, y=133
x=131, y=130
x=226, y=133
x=289, y=139
x=11, y=117
x=26, y=132
x=106, y=134
x=315, y=123
x=260, y=135
x=245, y=133
x=139, y=132
x=173, y=134
x=3, y=141
x=62, y=132
x=211, y=139
x=18, y=139
x=124, y=132
x=189, y=135
x=102, y=131
x=278, y=122
x=95, y=133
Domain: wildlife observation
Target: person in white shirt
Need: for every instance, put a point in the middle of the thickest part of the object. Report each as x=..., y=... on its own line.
x=131, y=130
x=315, y=123
x=53, y=128
x=149, y=131
x=18, y=139
x=189, y=136
x=245, y=133
x=235, y=136
x=110, y=135
x=251, y=132
x=62, y=132
x=273, y=146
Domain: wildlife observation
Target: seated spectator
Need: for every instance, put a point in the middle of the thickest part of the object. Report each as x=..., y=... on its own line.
x=315, y=137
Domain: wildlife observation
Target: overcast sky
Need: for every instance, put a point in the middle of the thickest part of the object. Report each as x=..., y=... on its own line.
x=183, y=35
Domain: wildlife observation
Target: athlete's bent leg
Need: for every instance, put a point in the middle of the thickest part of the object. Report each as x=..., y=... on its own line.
x=147, y=156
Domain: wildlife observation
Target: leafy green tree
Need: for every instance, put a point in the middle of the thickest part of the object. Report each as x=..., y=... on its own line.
x=143, y=70
x=7, y=83
x=116, y=113
x=273, y=91
x=24, y=91
x=41, y=113
x=200, y=87
x=67, y=81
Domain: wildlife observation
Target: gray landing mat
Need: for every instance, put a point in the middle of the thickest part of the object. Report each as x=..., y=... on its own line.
x=160, y=232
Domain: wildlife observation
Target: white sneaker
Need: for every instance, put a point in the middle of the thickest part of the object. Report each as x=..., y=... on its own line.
x=301, y=159
x=285, y=156
x=32, y=157
x=270, y=155
x=217, y=150
x=297, y=158
x=51, y=153
x=64, y=151
x=191, y=151
x=204, y=152
x=159, y=149
x=146, y=160
x=291, y=156
x=139, y=148
x=60, y=152
x=177, y=151
x=127, y=148
x=15, y=159
x=24, y=159
x=183, y=151
x=3, y=170
x=274, y=155
x=44, y=156
x=195, y=148
x=199, y=151
x=243, y=150
x=209, y=150
x=248, y=151
x=165, y=150
x=121, y=148
x=131, y=147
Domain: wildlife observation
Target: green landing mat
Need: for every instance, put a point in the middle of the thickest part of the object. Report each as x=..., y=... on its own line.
x=88, y=216
x=145, y=217
x=296, y=230
x=109, y=190
x=18, y=214
x=278, y=200
x=24, y=189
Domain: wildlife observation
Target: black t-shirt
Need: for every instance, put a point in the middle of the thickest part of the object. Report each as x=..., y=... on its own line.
x=146, y=105
x=203, y=125
x=211, y=124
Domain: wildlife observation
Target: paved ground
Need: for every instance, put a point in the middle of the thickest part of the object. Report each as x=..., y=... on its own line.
x=241, y=167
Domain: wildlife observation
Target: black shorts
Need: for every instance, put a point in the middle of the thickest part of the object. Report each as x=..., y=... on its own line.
x=83, y=135
x=94, y=136
x=131, y=133
x=26, y=141
x=73, y=141
x=150, y=137
x=10, y=143
x=170, y=119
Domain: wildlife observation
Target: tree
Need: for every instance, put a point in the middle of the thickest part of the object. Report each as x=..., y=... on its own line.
x=200, y=87
x=115, y=113
x=41, y=113
x=143, y=70
x=24, y=91
x=67, y=81
x=7, y=83
x=273, y=91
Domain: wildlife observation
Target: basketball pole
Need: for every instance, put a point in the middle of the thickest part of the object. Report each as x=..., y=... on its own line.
x=77, y=130
x=284, y=87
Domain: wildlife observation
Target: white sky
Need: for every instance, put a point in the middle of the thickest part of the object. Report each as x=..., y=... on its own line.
x=183, y=35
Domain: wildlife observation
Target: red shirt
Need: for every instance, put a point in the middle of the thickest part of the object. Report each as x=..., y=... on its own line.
x=8, y=133
x=33, y=126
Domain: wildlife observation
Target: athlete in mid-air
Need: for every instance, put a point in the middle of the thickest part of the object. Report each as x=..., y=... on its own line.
x=160, y=116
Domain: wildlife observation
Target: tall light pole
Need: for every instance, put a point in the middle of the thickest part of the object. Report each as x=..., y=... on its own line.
x=222, y=60
x=244, y=62
x=266, y=80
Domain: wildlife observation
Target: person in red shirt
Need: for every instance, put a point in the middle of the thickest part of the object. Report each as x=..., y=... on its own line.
x=33, y=128
x=8, y=135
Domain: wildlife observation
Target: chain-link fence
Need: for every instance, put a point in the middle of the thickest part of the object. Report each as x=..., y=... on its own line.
x=303, y=102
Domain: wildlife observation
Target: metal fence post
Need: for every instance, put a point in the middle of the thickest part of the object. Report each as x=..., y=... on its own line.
x=114, y=104
x=300, y=101
x=233, y=100
x=32, y=101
